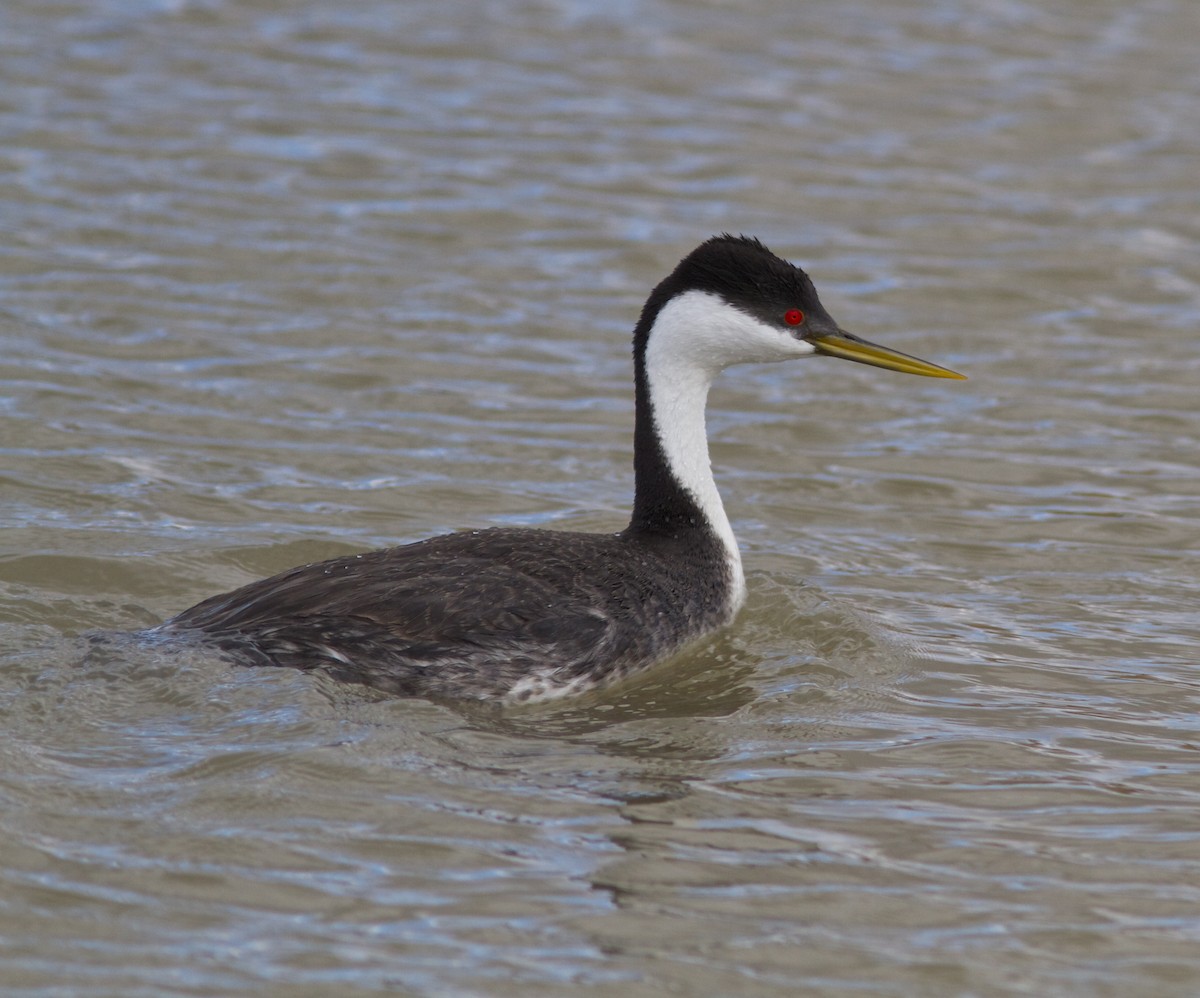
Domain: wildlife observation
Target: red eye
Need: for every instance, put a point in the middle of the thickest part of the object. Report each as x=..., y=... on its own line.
x=793, y=317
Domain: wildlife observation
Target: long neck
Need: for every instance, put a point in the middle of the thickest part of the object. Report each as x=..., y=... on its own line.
x=675, y=494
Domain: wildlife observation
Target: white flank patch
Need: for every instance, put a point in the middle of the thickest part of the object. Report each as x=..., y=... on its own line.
x=695, y=337
x=542, y=686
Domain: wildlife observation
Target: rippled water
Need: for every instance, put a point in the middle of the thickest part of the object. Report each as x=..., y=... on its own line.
x=287, y=280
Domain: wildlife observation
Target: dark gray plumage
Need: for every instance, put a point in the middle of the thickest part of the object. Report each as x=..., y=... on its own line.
x=479, y=614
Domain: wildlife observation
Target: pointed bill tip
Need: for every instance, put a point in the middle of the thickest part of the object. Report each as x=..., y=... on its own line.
x=849, y=347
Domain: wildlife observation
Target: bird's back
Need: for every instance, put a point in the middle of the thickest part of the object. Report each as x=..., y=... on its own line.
x=507, y=613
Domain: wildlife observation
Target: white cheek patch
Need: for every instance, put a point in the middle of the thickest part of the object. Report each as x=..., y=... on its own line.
x=702, y=329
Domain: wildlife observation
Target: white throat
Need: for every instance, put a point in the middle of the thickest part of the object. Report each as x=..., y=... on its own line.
x=695, y=336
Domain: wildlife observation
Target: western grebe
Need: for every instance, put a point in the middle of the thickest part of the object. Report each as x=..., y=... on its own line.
x=517, y=614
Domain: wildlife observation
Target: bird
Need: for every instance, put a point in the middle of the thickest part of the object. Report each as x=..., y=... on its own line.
x=515, y=615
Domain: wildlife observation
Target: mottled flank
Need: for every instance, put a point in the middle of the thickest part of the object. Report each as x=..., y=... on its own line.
x=508, y=614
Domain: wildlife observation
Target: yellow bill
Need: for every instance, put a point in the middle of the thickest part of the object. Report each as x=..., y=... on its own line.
x=851, y=347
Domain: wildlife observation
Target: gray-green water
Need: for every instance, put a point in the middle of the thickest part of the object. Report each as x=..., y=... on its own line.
x=279, y=281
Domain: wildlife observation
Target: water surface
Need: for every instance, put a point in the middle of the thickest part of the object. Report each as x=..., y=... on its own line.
x=288, y=281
